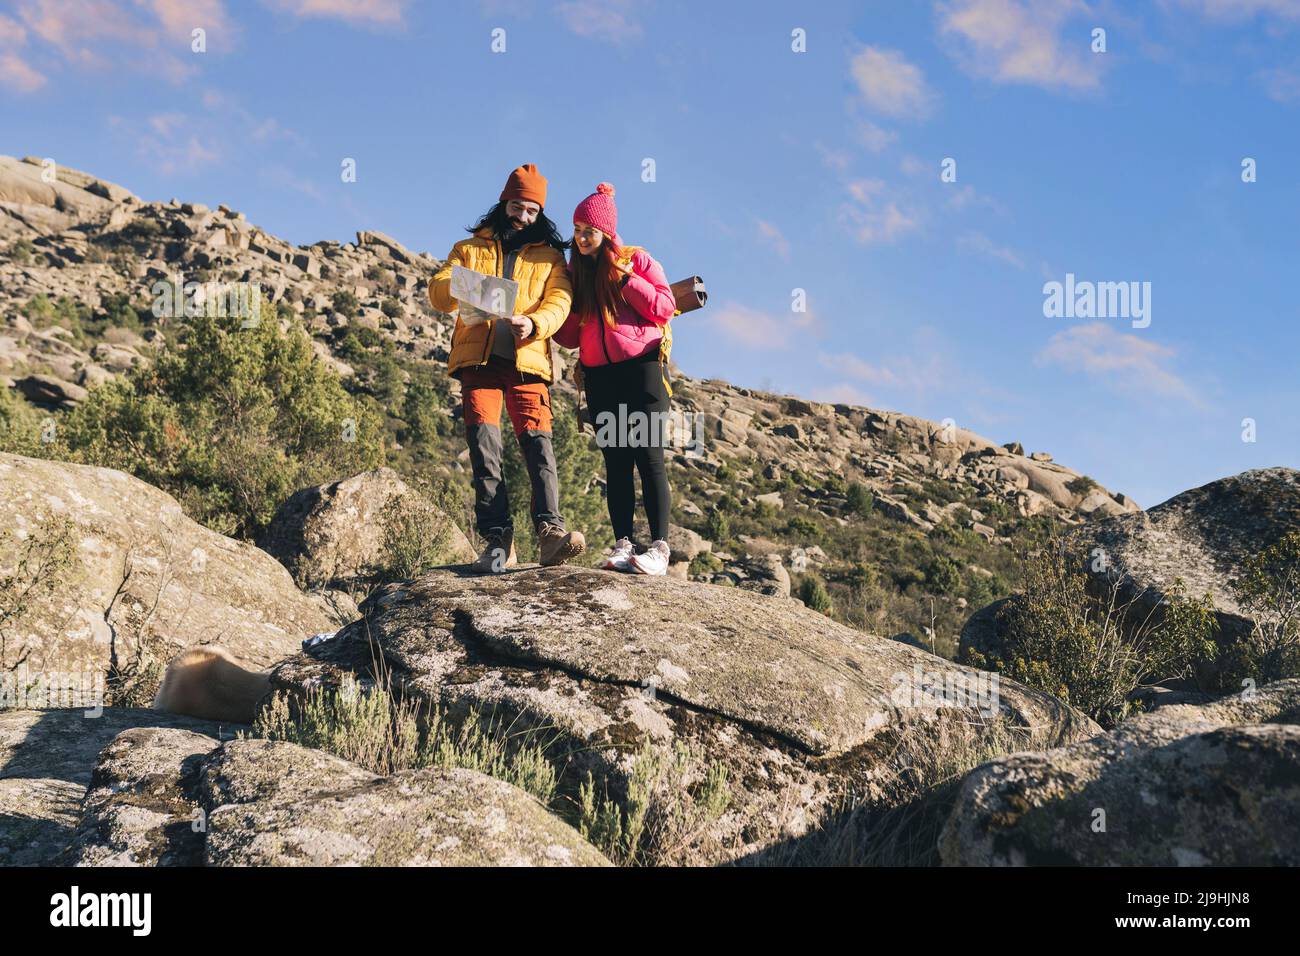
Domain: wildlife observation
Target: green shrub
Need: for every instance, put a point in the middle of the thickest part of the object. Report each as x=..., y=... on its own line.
x=391, y=308
x=386, y=734
x=813, y=593
x=43, y=561
x=1081, y=485
x=801, y=527
x=1268, y=589
x=861, y=500
x=117, y=310
x=1093, y=651
x=345, y=303
x=20, y=424
x=415, y=538
x=706, y=562
x=422, y=416
x=717, y=527
x=231, y=421
x=862, y=578
x=672, y=798
x=942, y=576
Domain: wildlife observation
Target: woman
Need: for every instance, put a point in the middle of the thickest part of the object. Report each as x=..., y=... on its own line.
x=621, y=307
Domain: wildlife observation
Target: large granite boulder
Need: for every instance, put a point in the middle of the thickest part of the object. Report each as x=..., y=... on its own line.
x=1202, y=536
x=140, y=577
x=797, y=708
x=46, y=760
x=334, y=534
x=1215, y=784
x=177, y=798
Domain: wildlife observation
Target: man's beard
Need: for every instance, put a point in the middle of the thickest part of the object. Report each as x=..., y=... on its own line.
x=535, y=231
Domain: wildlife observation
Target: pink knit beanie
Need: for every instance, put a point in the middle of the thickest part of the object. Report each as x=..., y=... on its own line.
x=599, y=210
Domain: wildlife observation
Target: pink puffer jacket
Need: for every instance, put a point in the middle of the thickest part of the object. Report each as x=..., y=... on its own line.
x=647, y=306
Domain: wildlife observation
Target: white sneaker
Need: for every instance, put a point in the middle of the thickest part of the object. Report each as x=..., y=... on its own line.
x=654, y=560
x=620, y=558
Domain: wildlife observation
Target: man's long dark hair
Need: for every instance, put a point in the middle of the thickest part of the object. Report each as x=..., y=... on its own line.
x=540, y=230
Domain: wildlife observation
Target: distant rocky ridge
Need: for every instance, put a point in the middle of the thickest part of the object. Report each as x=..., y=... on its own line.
x=91, y=240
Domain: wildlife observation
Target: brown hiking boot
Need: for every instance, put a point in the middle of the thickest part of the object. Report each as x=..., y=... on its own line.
x=556, y=545
x=498, y=554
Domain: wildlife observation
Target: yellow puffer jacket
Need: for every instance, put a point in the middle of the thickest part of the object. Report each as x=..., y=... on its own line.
x=545, y=295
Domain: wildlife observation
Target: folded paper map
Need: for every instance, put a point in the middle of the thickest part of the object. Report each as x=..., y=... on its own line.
x=481, y=297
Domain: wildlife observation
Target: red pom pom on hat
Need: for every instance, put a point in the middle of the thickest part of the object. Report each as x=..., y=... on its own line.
x=606, y=189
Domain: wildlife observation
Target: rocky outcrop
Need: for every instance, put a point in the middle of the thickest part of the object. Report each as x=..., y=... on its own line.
x=54, y=197
x=794, y=706
x=1203, y=536
x=333, y=535
x=139, y=580
x=46, y=761
x=177, y=798
x=1210, y=785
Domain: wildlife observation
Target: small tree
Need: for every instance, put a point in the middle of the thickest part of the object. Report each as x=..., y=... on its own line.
x=860, y=500
x=1269, y=589
x=813, y=593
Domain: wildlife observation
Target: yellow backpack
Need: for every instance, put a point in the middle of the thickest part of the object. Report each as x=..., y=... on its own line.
x=666, y=343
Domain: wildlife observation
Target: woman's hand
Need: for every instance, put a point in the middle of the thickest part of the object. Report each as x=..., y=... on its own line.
x=521, y=326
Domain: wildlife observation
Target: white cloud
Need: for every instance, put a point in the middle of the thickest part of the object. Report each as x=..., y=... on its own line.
x=12, y=33
x=890, y=84
x=17, y=75
x=613, y=20
x=149, y=36
x=836, y=159
x=914, y=166
x=1121, y=359
x=179, y=18
x=760, y=330
x=925, y=373
x=1241, y=10
x=357, y=11
x=843, y=393
x=775, y=238
x=874, y=137
x=1280, y=84
x=965, y=196
x=1014, y=41
x=979, y=243
x=872, y=217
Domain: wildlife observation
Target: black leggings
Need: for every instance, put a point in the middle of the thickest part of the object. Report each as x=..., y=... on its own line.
x=622, y=399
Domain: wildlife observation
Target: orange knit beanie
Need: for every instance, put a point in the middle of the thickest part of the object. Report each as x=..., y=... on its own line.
x=527, y=184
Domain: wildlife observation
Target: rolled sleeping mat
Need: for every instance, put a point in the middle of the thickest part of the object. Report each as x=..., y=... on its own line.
x=690, y=294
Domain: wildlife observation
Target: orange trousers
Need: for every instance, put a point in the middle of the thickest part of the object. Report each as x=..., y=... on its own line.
x=527, y=398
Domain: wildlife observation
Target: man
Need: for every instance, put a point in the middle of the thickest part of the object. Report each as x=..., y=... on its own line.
x=509, y=360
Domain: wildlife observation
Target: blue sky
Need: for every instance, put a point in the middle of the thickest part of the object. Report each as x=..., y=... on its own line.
x=778, y=170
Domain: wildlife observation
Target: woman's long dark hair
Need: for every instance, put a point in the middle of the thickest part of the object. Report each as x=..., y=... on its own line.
x=541, y=229
x=595, y=281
